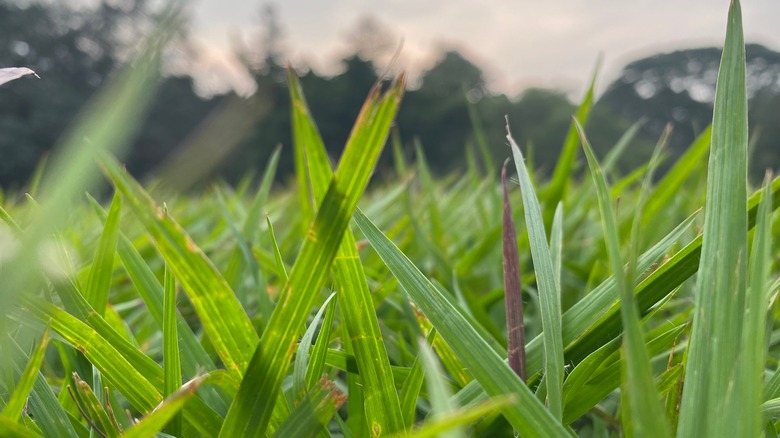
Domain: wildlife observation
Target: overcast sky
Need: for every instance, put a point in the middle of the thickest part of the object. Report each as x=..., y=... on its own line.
x=518, y=43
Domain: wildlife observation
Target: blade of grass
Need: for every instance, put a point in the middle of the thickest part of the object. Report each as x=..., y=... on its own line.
x=313, y=412
x=302, y=357
x=224, y=321
x=641, y=395
x=438, y=391
x=713, y=392
x=314, y=372
x=412, y=386
x=547, y=284
x=99, y=280
x=251, y=409
x=382, y=406
x=171, y=359
x=527, y=415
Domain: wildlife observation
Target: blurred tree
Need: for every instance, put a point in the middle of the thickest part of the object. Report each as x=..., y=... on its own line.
x=679, y=87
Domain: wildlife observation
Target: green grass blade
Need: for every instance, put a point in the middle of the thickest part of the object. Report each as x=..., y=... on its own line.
x=713, y=393
x=224, y=321
x=527, y=415
x=277, y=253
x=382, y=406
x=302, y=358
x=12, y=429
x=171, y=359
x=165, y=412
x=547, y=284
x=482, y=144
x=639, y=391
x=754, y=322
x=92, y=409
x=15, y=405
x=314, y=372
x=99, y=280
x=250, y=411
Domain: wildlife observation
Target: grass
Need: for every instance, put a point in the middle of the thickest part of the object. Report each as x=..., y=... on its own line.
x=382, y=312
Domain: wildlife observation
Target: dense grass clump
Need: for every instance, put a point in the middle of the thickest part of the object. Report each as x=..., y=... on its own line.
x=323, y=309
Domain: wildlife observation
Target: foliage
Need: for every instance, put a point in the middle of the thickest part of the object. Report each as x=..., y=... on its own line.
x=297, y=326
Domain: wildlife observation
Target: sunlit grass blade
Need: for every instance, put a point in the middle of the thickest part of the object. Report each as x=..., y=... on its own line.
x=639, y=391
x=18, y=399
x=165, y=412
x=302, y=358
x=250, y=411
x=171, y=359
x=382, y=407
x=547, y=284
x=12, y=429
x=277, y=253
x=99, y=280
x=313, y=412
x=714, y=393
x=224, y=321
x=513, y=294
x=527, y=415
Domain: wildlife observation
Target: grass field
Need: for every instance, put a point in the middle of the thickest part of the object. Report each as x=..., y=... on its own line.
x=633, y=305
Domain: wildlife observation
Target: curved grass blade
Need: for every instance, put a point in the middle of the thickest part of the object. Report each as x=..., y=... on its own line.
x=713, y=392
x=302, y=357
x=639, y=392
x=528, y=416
x=547, y=283
x=251, y=410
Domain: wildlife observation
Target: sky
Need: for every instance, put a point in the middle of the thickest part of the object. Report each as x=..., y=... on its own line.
x=517, y=43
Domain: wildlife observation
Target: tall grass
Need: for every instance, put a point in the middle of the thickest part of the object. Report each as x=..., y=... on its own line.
x=381, y=313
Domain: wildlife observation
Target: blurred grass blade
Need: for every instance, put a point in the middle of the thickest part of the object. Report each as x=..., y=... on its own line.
x=438, y=426
x=438, y=392
x=251, y=409
x=382, y=407
x=547, y=284
x=479, y=136
x=16, y=403
x=513, y=294
x=165, y=412
x=171, y=359
x=639, y=391
x=99, y=280
x=715, y=397
x=302, y=357
x=313, y=413
x=106, y=123
x=412, y=386
x=528, y=416
x=567, y=160
x=12, y=429
x=9, y=74
x=224, y=321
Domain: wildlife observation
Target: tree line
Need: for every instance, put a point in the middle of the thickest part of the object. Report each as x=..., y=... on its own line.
x=449, y=110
